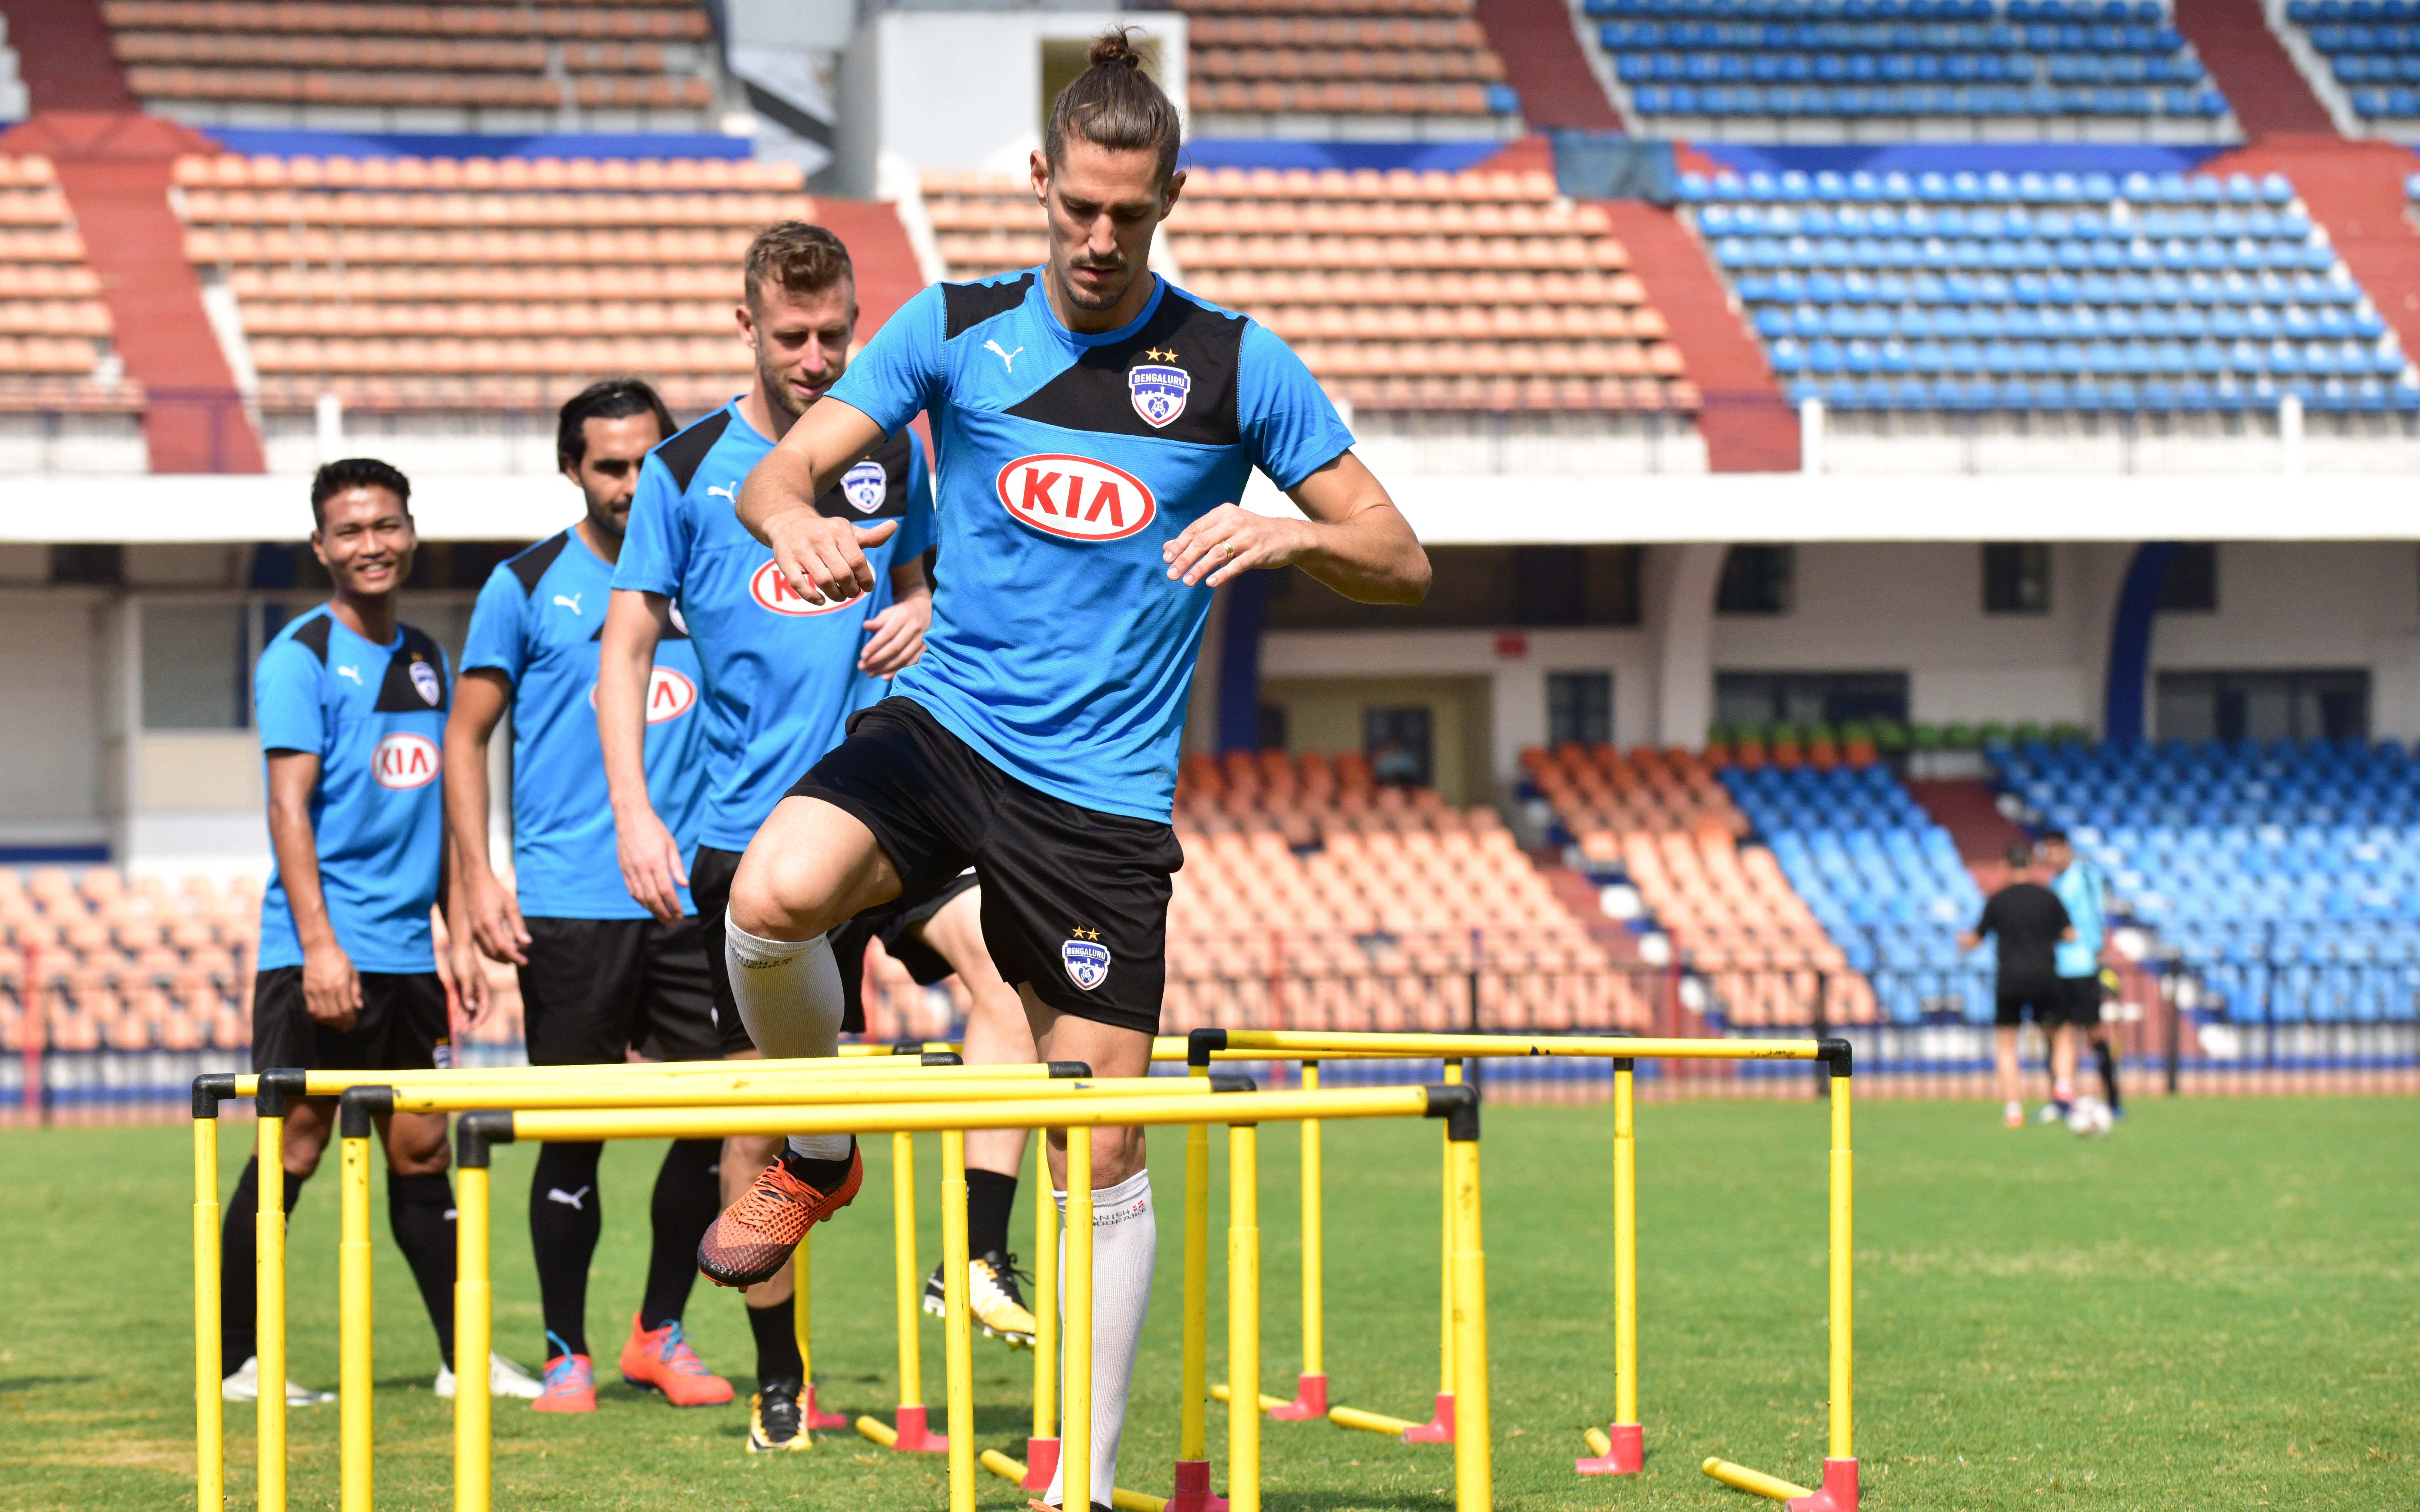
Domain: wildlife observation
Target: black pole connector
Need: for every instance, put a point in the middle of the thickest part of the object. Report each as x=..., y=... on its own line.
x=277, y=1086
x=473, y=1131
x=210, y=1089
x=1457, y=1104
x=1065, y=1070
x=1231, y=1082
x=1624, y=1063
x=358, y=1107
x=1834, y=1053
x=1200, y=1043
x=943, y=1058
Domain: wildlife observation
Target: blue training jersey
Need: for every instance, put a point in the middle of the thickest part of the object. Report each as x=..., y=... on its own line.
x=374, y=715
x=2080, y=888
x=1060, y=649
x=538, y=622
x=780, y=674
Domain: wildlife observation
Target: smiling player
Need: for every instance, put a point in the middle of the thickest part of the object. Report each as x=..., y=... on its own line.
x=1093, y=427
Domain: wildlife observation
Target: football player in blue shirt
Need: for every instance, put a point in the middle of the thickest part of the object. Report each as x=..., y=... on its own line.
x=781, y=676
x=599, y=976
x=2084, y=889
x=1093, y=427
x=352, y=708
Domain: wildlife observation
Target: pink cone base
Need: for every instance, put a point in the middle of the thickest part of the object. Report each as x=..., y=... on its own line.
x=1309, y=1401
x=914, y=1437
x=815, y=1419
x=1629, y=1454
x=1439, y=1429
x=1839, y=1492
x=1041, y=1463
x=1193, y=1493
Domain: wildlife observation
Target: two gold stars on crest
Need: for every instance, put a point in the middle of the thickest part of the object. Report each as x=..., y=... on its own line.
x=1080, y=933
x=1154, y=355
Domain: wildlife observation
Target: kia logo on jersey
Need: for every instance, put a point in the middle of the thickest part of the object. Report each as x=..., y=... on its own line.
x=669, y=695
x=1075, y=497
x=404, y=761
x=771, y=590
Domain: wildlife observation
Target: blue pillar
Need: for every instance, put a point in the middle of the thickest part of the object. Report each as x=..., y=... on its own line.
x=2130, y=644
x=1239, y=663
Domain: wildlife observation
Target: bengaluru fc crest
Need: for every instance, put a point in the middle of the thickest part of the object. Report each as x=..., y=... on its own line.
x=424, y=680
x=1158, y=387
x=864, y=487
x=1086, y=958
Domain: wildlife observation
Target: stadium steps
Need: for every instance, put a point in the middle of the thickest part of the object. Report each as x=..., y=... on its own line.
x=1747, y=424
x=2268, y=93
x=880, y=250
x=1543, y=64
x=115, y=169
x=1972, y=815
x=2355, y=191
x=68, y=62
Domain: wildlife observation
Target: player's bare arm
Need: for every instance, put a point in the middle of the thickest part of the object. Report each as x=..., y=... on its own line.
x=635, y=622
x=332, y=991
x=1354, y=540
x=823, y=558
x=484, y=914
x=894, y=638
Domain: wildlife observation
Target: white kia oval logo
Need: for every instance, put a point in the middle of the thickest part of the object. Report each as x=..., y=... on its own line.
x=404, y=761
x=1075, y=497
x=770, y=589
x=669, y=695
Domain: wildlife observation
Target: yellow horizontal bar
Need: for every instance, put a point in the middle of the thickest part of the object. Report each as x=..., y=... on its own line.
x=1102, y=1109
x=1755, y=1481
x=751, y=1091
x=1353, y=1418
x=331, y=1083
x=879, y=1431
x=1598, y=1444
x=1243, y=1043
x=1011, y=1470
x=1221, y=1392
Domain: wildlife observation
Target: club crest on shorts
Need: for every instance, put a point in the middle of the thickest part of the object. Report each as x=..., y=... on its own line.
x=1086, y=958
x=424, y=680
x=864, y=487
x=1158, y=387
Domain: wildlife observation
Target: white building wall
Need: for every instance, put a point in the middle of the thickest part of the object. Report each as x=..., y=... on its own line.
x=55, y=782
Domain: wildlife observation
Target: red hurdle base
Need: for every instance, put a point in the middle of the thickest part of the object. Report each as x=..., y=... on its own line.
x=1439, y=1429
x=1041, y=1463
x=1625, y=1452
x=907, y=1434
x=814, y=1419
x=1310, y=1400
x=1193, y=1493
x=1839, y=1492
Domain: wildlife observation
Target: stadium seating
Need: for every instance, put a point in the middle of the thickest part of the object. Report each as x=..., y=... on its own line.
x=1318, y=68
x=2287, y=876
x=1899, y=70
x=55, y=331
x=2048, y=291
x=2370, y=50
x=453, y=283
x=1401, y=290
x=592, y=64
x=128, y=967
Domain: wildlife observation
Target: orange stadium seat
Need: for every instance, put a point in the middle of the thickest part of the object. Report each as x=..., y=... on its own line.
x=55, y=331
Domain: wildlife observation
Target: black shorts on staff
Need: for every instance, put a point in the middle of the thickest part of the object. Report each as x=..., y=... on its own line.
x=2045, y=1002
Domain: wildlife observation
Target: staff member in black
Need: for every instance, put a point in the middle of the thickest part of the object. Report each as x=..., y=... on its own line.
x=2026, y=921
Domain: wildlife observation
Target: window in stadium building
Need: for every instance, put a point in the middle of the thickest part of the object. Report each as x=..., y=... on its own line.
x=2191, y=586
x=1480, y=587
x=2265, y=705
x=197, y=666
x=1400, y=744
x=1757, y=580
x=1579, y=708
x=1808, y=698
x=100, y=565
x=2016, y=578
x=1270, y=727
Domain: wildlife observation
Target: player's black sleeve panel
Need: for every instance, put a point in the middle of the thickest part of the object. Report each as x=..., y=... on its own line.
x=963, y=306
x=893, y=457
x=313, y=637
x=1183, y=341
x=530, y=566
x=686, y=453
x=400, y=692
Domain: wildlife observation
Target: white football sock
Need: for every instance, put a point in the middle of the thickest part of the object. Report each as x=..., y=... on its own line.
x=1125, y=1243
x=789, y=996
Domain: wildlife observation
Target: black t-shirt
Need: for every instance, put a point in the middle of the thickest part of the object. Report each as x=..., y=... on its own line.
x=2025, y=920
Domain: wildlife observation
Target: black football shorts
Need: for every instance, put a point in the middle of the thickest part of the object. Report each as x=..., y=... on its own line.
x=401, y=1027
x=596, y=988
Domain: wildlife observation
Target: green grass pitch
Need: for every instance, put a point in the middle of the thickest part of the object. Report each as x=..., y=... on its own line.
x=2217, y=1308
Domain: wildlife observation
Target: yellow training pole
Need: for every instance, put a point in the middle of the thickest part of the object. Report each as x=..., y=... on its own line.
x=1193, y=1359
x=472, y=1299
x=1754, y=1481
x=1243, y=1317
x=1473, y=1478
x=1075, y=1433
x=1042, y=1450
x=353, y=1348
x=210, y=1422
x=1439, y=1428
x=812, y=1418
x=1621, y=1447
x=270, y=1293
x=1843, y=1451
x=909, y=1432
x=957, y=1340
x=1310, y=1387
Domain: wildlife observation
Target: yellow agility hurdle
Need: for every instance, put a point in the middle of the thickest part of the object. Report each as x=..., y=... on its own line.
x=1079, y=1113
x=271, y=1091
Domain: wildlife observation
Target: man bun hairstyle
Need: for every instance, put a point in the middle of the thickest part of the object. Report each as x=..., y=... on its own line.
x=1114, y=104
x=613, y=398
x=356, y=472
x=802, y=258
